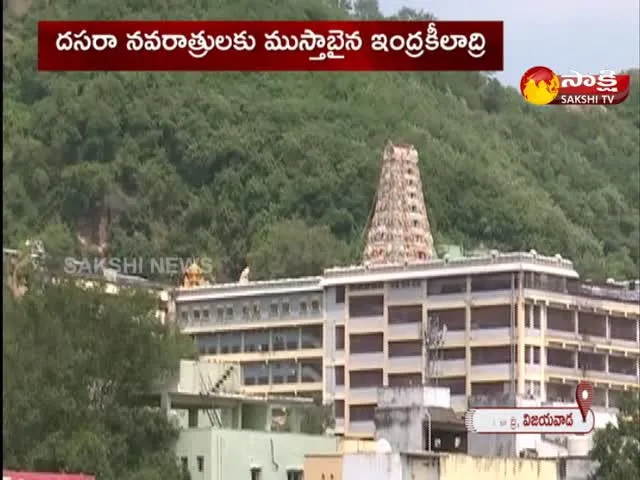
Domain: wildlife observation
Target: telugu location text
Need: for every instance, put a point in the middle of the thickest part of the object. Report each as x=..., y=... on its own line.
x=269, y=46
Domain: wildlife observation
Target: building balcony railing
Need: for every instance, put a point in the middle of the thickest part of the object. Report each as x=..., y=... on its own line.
x=589, y=302
x=363, y=395
x=404, y=295
x=591, y=340
x=366, y=324
x=282, y=388
x=362, y=428
x=498, y=370
x=594, y=375
x=366, y=360
x=442, y=300
x=505, y=295
x=490, y=334
x=451, y=368
x=405, y=331
x=405, y=364
x=455, y=338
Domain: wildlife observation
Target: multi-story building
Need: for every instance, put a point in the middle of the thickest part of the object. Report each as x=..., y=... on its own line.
x=516, y=323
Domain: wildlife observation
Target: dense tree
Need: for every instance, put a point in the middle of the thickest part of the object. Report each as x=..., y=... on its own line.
x=74, y=364
x=617, y=447
x=201, y=164
x=291, y=248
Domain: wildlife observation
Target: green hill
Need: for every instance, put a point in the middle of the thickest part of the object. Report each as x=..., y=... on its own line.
x=280, y=169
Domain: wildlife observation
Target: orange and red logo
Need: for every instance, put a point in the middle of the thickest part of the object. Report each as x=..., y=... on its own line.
x=542, y=86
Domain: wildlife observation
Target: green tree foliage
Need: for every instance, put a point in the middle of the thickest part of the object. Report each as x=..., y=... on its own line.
x=617, y=448
x=74, y=365
x=291, y=248
x=208, y=161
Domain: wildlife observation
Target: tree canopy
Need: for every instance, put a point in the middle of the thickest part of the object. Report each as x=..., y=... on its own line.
x=617, y=447
x=75, y=362
x=223, y=165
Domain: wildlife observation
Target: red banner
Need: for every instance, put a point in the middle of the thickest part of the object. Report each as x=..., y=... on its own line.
x=270, y=46
x=8, y=475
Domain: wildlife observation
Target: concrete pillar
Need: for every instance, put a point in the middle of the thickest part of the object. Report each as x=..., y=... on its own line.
x=607, y=327
x=576, y=321
x=520, y=334
x=543, y=351
x=467, y=349
x=521, y=369
x=165, y=402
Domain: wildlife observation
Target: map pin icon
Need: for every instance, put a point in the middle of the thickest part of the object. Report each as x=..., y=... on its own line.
x=584, y=397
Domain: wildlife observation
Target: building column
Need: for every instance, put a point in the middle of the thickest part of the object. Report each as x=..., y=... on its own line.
x=576, y=321
x=467, y=339
x=520, y=347
x=165, y=402
x=606, y=363
x=385, y=333
x=347, y=364
x=542, y=309
x=607, y=327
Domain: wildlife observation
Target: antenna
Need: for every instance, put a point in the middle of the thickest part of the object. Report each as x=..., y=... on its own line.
x=433, y=338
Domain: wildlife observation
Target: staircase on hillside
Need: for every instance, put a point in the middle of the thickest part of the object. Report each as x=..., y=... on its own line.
x=208, y=388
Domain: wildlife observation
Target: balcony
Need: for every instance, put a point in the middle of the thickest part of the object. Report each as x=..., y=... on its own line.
x=406, y=295
x=405, y=331
x=455, y=338
x=625, y=344
x=532, y=370
x=490, y=335
x=367, y=428
x=366, y=360
x=493, y=297
x=452, y=368
x=366, y=324
x=497, y=370
x=446, y=300
x=562, y=371
x=366, y=395
x=405, y=364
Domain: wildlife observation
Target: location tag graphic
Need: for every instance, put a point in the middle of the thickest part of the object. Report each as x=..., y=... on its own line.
x=584, y=397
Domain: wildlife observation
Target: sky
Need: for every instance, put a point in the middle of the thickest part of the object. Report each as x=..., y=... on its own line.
x=582, y=35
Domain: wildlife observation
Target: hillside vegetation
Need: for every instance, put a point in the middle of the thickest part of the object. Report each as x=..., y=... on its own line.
x=280, y=169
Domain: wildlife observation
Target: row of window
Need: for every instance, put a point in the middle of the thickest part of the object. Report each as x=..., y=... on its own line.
x=290, y=371
x=247, y=312
x=265, y=340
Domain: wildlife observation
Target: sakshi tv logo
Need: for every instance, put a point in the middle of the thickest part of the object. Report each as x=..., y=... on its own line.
x=542, y=86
